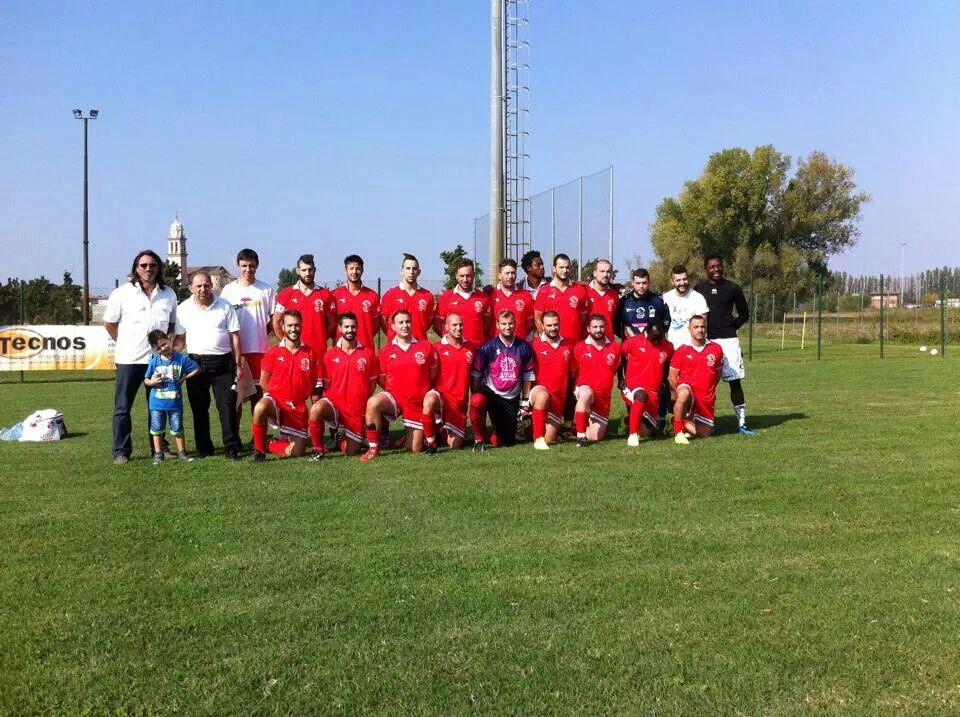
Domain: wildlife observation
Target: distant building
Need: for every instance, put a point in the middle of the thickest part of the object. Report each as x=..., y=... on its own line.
x=889, y=299
x=952, y=303
x=177, y=254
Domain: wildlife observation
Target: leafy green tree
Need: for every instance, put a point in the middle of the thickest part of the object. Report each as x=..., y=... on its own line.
x=171, y=277
x=450, y=259
x=287, y=277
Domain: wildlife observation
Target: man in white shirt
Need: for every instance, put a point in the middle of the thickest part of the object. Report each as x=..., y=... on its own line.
x=683, y=303
x=253, y=301
x=209, y=328
x=135, y=309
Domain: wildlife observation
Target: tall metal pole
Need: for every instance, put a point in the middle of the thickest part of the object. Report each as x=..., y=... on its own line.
x=553, y=224
x=86, y=235
x=943, y=314
x=610, y=233
x=903, y=251
x=497, y=174
x=579, y=228
x=819, y=315
x=883, y=300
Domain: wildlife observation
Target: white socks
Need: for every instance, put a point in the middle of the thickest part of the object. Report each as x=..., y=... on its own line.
x=741, y=412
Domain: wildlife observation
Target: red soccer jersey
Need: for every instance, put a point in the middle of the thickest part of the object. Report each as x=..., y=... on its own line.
x=314, y=307
x=407, y=370
x=419, y=304
x=293, y=376
x=366, y=305
x=520, y=303
x=552, y=363
x=604, y=304
x=700, y=369
x=570, y=303
x=646, y=361
x=347, y=376
x=475, y=310
x=596, y=367
x=455, y=364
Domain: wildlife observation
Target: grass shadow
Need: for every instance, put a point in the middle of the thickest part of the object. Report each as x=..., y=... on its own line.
x=728, y=424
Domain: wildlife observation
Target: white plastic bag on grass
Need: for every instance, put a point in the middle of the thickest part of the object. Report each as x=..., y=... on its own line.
x=47, y=424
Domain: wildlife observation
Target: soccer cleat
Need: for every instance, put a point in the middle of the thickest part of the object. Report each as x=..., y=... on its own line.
x=633, y=440
x=746, y=431
x=370, y=455
x=430, y=449
x=259, y=457
x=318, y=455
x=479, y=446
x=184, y=456
x=681, y=439
x=582, y=442
x=158, y=458
x=541, y=444
x=232, y=455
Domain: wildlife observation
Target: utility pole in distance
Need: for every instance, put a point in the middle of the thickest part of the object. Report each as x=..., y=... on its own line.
x=497, y=178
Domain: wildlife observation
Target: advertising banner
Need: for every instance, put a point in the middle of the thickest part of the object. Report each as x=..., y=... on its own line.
x=55, y=348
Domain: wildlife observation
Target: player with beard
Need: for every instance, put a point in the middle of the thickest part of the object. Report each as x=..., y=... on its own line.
x=566, y=297
x=694, y=374
x=447, y=400
x=646, y=358
x=314, y=303
x=410, y=296
x=507, y=296
x=594, y=366
x=361, y=301
x=534, y=273
x=349, y=377
x=472, y=304
x=640, y=306
x=602, y=296
x=682, y=302
x=552, y=354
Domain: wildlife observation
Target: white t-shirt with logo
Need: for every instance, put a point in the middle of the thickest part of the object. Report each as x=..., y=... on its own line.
x=682, y=309
x=254, y=307
x=207, y=328
x=136, y=315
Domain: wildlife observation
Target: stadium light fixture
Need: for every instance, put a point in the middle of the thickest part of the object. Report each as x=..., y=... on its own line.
x=86, y=233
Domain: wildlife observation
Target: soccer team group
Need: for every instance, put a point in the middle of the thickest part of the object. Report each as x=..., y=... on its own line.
x=550, y=349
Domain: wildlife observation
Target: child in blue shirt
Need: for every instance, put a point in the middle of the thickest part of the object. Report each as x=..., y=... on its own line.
x=166, y=372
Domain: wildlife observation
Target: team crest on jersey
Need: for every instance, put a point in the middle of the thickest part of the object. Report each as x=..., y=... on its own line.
x=318, y=305
x=610, y=304
x=422, y=304
x=519, y=304
x=304, y=364
x=420, y=357
x=663, y=357
x=711, y=360
x=478, y=306
x=469, y=355
x=610, y=359
x=361, y=364
x=366, y=306
x=574, y=300
x=566, y=354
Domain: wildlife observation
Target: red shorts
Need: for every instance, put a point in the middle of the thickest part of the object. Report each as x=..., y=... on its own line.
x=254, y=361
x=600, y=410
x=651, y=407
x=453, y=413
x=701, y=411
x=291, y=417
x=409, y=409
x=346, y=419
x=557, y=401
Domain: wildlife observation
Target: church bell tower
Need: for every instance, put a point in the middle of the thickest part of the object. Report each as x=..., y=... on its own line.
x=177, y=246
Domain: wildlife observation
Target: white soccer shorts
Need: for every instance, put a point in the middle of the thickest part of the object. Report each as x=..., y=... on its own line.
x=733, y=368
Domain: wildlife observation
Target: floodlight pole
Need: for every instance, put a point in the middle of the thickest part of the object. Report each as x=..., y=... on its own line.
x=497, y=209
x=86, y=223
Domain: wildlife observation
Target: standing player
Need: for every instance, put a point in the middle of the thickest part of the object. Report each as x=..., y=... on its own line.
x=535, y=279
x=253, y=301
x=723, y=296
x=552, y=354
x=501, y=379
x=408, y=368
x=315, y=304
x=359, y=300
x=447, y=401
x=595, y=363
x=694, y=374
x=640, y=306
x=647, y=359
x=682, y=303
x=472, y=305
x=408, y=295
x=567, y=298
x=507, y=296
x=349, y=377
x=291, y=372
x=602, y=297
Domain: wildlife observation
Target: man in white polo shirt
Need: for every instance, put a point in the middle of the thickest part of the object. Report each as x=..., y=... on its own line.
x=135, y=309
x=253, y=301
x=209, y=328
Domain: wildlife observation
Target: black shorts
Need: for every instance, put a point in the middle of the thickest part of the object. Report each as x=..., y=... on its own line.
x=503, y=414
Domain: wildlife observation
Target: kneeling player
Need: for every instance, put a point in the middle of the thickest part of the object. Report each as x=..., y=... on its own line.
x=448, y=399
x=290, y=373
x=408, y=368
x=647, y=357
x=350, y=375
x=551, y=356
x=596, y=361
x=694, y=373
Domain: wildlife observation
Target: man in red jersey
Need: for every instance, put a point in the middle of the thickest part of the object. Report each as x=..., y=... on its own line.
x=448, y=399
x=595, y=362
x=289, y=374
x=408, y=295
x=602, y=296
x=647, y=358
x=567, y=298
x=349, y=377
x=361, y=301
x=695, y=370
x=507, y=296
x=408, y=368
x=551, y=355
x=314, y=303
x=472, y=305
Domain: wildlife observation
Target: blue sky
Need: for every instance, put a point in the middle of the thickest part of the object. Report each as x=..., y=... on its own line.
x=363, y=126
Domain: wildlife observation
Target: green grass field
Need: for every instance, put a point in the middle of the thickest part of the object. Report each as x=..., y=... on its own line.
x=814, y=568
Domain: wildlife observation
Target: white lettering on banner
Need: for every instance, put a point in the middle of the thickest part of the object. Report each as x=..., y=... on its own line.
x=55, y=348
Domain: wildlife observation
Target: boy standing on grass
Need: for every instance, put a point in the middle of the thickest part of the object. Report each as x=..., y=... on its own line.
x=166, y=372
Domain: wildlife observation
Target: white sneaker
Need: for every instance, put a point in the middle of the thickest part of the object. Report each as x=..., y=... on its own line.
x=541, y=444
x=633, y=440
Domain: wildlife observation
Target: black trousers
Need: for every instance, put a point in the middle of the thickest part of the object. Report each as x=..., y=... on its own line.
x=129, y=382
x=218, y=373
x=504, y=416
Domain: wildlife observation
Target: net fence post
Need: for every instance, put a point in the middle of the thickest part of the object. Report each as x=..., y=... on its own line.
x=882, y=302
x=579, y=228
x=753, y=313
x=943, y=314
x=610, y=231
x=380, y=284
x=819, y=314
x=22, y=312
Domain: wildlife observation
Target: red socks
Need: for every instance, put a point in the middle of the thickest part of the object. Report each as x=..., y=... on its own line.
x=373, y=437
x=539, y=423
x=260, y=437
x=316, y=436
x=679, y=425
x=429, y=428
x=580, y=420
x=636, y=416
x=478, y=419
x=278, y=446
